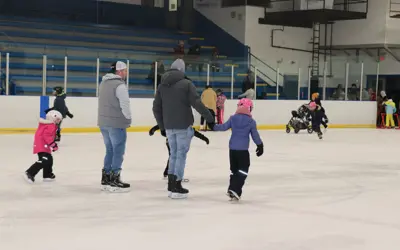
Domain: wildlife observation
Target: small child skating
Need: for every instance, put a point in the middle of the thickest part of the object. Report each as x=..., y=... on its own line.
x=44, y=145
x=221, y=98
x=315, y=98
x=60, y=106
x=390, y=109
x=196, y=134
x=242, y=125
x=316, y=118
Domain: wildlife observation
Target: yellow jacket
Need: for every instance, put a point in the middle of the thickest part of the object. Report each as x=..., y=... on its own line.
x=209, y=99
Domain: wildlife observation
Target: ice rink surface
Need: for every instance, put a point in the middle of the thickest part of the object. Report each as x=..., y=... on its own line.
x=341, y=193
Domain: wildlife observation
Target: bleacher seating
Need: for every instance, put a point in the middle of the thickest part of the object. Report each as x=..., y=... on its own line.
x=28, y=40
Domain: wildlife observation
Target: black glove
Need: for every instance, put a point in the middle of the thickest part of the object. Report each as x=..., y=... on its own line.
x=260, y=150
x=211, y=125
x=163, y=133
x=70, y=115
x=152, y=131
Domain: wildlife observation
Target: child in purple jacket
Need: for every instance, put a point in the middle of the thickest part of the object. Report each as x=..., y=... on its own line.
x=242, y=125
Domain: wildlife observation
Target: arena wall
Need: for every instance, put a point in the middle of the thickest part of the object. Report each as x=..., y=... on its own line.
x=20, y=113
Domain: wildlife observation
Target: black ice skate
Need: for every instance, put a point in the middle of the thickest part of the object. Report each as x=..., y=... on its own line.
x=105, y=181
x=50, y=178
x=233, y=195
x=116, y=185
x=178, y=192
x=320, y=135
x=171, y=184
x=29, y=178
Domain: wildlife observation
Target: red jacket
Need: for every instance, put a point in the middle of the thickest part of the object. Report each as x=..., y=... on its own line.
x=44, y=137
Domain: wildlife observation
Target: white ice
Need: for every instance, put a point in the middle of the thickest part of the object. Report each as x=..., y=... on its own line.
x=341, y=193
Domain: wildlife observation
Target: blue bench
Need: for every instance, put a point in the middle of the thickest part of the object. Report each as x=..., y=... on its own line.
x=102, y=42
x=91, y=28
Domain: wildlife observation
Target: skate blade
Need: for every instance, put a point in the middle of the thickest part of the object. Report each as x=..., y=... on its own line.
x=29, y=181
x=169, y=194
x=118, y=190
x=104, y=187
x=49, y=180
x=177, y=196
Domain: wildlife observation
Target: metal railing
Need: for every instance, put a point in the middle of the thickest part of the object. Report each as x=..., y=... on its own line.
x=292, y=5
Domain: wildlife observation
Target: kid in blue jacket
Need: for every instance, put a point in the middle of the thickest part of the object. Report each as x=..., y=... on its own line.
x=242, y=125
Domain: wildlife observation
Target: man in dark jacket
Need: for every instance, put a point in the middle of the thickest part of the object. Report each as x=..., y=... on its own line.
x=172, y=108
x=60, y=106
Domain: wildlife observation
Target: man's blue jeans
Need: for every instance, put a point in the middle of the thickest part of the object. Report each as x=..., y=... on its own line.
x=115, y=142
x=179, y=142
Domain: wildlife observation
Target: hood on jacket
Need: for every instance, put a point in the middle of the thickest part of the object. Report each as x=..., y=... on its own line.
x=178, y=64
x=171, y=77
x=111, y=76
x=63, y=95
x=390, y=102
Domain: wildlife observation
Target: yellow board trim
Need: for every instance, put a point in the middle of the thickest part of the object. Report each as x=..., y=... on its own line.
x=4, y=131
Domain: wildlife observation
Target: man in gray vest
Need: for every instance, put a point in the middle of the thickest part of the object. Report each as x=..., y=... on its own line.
x=114, y=117
x=172, y=108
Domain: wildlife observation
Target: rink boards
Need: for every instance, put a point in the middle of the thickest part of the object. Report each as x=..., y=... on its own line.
x=19, y=114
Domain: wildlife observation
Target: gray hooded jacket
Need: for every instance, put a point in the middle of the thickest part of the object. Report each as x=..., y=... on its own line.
x=114, y=106
x=175, y=97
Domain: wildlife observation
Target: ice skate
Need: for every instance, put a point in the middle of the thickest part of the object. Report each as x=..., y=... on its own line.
x=320, y=135
x=171, y=184
x=116, y=185
x=50, y=178
x=105, y=181
x=178, y=192
x=29, y=178
x=233, y=195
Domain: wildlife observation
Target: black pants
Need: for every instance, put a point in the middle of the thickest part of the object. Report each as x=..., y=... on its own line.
x=44, y=162
x=240, y=164
x=202, y=118
x=169, y=154
x=317, y=120
x=324, y=118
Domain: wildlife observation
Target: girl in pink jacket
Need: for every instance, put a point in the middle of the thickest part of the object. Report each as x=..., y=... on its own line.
x=44, y=145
